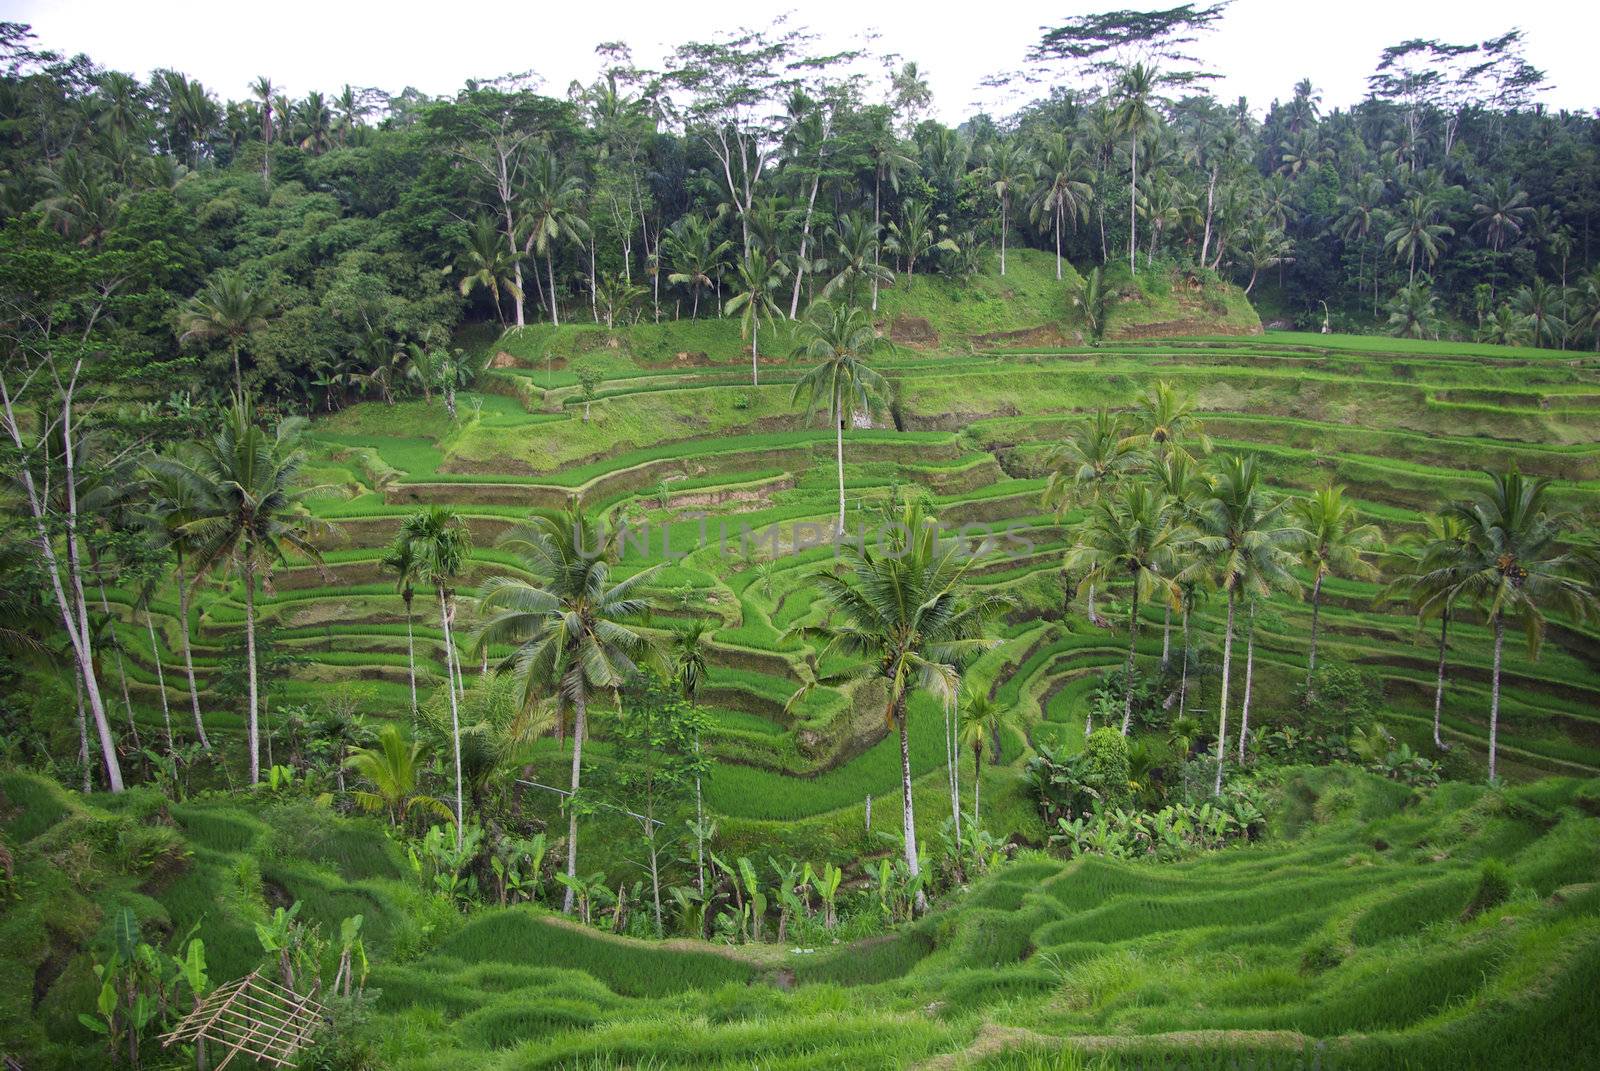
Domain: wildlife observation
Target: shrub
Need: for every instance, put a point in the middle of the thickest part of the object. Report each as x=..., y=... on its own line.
x=1106, y=766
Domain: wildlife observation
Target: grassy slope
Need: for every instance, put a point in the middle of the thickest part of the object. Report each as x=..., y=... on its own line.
x=1343, y=931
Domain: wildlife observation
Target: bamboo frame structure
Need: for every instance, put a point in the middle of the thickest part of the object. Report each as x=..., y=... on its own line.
x=255, y=1016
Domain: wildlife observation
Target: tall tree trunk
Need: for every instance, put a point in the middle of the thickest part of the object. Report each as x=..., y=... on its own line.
x=188, y=657
x=805, y=239
x=550, y=278
x=254, y=728
x=116, y=649
x=516, y=264
x=1249, y=673
x=1183, y=682
x=579, y=725
x=908, y=819
x=238, y=376
x=1133, y=640
x=755, y=347
x=455, y=717
x=411, y=658
x=1057, y=229
x=1438, y=689
x=1316, y=608
x=1004, y=220
x=977, y=781
x=1166, y=639
x=161, y=677
x=877, y=233
x=1211, y=191
x=1222, y=722
x=838, y=453
x=1133, y=200
x=594, y=290
x=1494, y=694
x=83, y=740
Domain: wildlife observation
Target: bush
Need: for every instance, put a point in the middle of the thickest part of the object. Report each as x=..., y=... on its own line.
x=1106, y=766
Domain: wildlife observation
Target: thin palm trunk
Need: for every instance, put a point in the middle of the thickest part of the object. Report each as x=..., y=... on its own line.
x=1004, y=217
x=1316, y=608
x=455, y=718
x=1211, y=191
x=238, y=377
x=579, y=724
x=122, y=670
x=1222, y=722
x=1438, y=689
x=907, y=816
x=977, y=779
x=1166, y=640
x=1249, y=673
x=755, y=346
x=1057, y=229
x=254, y=731
x=1133, y=200
x=805, y=239
x=516, y=267
x=1494, y=694
x=161, y=677
x=877, y=232
x=1183, y=682
x=550, y=277
x=838, y=453
x=1133, y=640
x=411, y=658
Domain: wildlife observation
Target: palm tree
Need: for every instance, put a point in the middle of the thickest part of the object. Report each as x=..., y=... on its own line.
x=1135, y=116
x=1428, y=568
x=392, y=766
x=980, y=723
x=1246, y=545
x=1501, y=210
x=262, y=89
x=567, y=625
x=917, y=235
x=171, y=505
x=486, y=264
x=1179, y=478
x=1061, y=195
x=316, y=124
x=690, y=669
x=691, y=248
x=553, y=215
x=1540, y=305
x=1413, y=312
x=1516, y=564
x=1263, y=247
x=1334, y=543
x=1132, y=536
x=226, y=308
x=1088, y=465
x=1506, y=328
x=1167, y=422
x=759, y=280
x=401, y=560
x=1418, y=232
x=248, y=509
x=840, y=337
x=856, y=242
x=439, y=545
x=1007, y=169
x=909, y=621
x=1359, y=212
x=1588, y=319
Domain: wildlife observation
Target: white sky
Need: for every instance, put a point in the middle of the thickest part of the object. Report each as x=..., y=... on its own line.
x=1262, y=46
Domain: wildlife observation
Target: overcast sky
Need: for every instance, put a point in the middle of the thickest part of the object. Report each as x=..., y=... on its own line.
x=1262, y=46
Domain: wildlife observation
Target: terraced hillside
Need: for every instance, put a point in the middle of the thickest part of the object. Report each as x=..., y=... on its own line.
x=1372, y=928
x=678, y=439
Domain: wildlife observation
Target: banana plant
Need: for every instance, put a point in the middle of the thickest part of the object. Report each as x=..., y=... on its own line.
x=732, y=874
x=826, y=883
x=789, y=905
x=352, y=951
x=758, y=899
x=692, y=904
x=277, y=937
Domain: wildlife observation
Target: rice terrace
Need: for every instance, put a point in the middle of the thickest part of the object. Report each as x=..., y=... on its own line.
x=733, y=565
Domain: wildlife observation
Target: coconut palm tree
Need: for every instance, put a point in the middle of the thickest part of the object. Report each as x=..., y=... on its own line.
x=486, y=264
x=554, y=214
x=856, y=253
x=918, y=234
x=840, y=337
x=1516, y=565
x=1501, y=212
x=392, y=766
x=1061, y=197
x=1088, y=465
x=1179, y=478
x=1427, y=570
x=227, y=308
x=1413, y=312
x=316, y=124
x=979, y=725
x=690, y=247
x=439, y=545
x=1587, y=321
x=248, y=510
x=1135, y=116
x=172, y=497
x=1541, y=306
x=1166, y=422
x=908, y=619
x=1131, y=536
x=1245, y=542
x=263, y=89
x=1417, y=231
x=1335, y=543
x=401, y=559
x=690, y=669
x=758, y=280
x=1007, y=170
x=567, y=625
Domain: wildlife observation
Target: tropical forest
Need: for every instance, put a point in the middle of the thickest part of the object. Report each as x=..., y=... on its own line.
x=720, y=566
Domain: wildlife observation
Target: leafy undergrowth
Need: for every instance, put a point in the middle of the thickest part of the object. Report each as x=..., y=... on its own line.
x=1372, y=928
